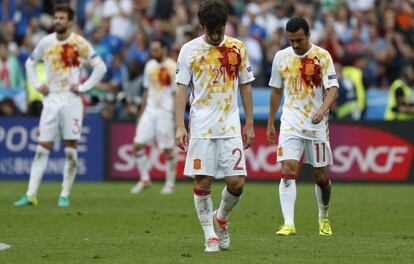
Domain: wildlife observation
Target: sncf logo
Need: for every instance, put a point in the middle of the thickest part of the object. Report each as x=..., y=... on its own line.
x=364, y=153
x=381, y=159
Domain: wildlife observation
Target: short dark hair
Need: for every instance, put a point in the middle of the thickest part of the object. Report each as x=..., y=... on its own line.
x=65, y=9
x=162, y=42
x=296, y=23
x=213, y=14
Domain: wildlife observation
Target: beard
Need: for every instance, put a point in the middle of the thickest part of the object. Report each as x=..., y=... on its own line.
x=60, y=30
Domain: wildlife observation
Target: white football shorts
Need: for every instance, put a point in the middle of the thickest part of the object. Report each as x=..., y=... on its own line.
x=62, y=115
x=315, y=152
x=155, y=126
x=218, y=157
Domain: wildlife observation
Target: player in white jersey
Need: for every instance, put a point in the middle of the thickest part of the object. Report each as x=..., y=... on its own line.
x=64, y=54
x=304, y=73
x=156, y=118
x=217, y=67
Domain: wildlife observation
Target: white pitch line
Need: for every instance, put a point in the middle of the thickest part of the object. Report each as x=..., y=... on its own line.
x=4, y=246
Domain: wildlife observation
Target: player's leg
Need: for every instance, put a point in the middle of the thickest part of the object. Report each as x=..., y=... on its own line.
x=204, y=208
x=145, y=134
x=165, y=138
x=170, y=174
x=290, y=151
x=71, y=120
x=48, y=128
x=201, y=163
x=319, y=155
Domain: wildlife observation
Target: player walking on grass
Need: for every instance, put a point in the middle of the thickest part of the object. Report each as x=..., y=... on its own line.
x=305, y=74
x=64, y=54
x=156, y=118
x=217, y=66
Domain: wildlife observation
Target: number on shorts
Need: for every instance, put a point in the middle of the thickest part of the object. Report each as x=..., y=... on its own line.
x=318, y=148
x=77, y=128
x=237, y=165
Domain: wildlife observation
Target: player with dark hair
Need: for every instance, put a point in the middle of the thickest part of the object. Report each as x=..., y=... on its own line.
x=304, y=73
x=156, y=118
x=64, y=54
x=217, y=67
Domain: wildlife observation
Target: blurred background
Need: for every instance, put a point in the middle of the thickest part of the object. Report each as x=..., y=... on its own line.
x=371, y=43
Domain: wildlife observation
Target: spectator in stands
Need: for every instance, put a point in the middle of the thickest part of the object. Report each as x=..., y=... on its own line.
x=400, y=106
x=353, y=70
x=346, y=104
x=11, y=75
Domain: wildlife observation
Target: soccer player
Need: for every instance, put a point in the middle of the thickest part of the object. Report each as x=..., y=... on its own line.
x=64, y=54
x=156, y=118
x=217, y=67
x=305, y=74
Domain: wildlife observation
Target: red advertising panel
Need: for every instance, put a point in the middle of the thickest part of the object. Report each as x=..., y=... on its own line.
x=360, y=153
x=367, y=153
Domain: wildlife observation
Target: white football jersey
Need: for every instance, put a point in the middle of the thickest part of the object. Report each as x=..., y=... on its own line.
x=64, y=60
x=215, y=73
x=305, y=79
x=159, y=80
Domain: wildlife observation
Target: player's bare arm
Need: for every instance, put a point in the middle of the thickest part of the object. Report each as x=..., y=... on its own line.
x=329, y=100
x=275, y=98
x=181, y=138
x=143, y=103
x=247, y=99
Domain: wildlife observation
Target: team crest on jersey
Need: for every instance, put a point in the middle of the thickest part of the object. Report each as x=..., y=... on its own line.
x=233, y=58
x=280, y=151
x=197, y=164
x=311, y=71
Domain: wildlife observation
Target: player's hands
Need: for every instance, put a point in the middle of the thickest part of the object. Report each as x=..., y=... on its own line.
x=44, y=89
x=181, y=138
x=248, y=136
x=271, y=134
x=74, y=88
x=318, y=116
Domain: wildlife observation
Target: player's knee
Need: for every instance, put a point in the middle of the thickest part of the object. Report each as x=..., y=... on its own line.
x=290, y=168
x=46, y=145
x=202, y=182
x=235, y=185
x=321, y=177
x=138, y=147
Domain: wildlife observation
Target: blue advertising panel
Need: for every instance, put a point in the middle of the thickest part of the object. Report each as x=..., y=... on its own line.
x=18, y=139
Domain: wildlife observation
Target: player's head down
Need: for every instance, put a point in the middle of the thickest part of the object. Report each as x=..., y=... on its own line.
x=158, y=49
x=212, y=15
x=63, y=16
x=297, y=29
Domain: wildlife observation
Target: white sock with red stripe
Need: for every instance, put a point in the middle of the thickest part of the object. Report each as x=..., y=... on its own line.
x=287, y=194
x=323, y=196
x=69, y=170
x=36, y=171
x=228, y=202
x=204, y=208
x=142, y=165
x=171, y=172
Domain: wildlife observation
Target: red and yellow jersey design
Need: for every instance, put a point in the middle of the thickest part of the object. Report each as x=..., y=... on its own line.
x=158, y=79
x=215, y=73
x=63, y=60
x=304, y=79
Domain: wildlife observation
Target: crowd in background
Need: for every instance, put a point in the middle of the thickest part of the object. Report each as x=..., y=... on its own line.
x=371, y=42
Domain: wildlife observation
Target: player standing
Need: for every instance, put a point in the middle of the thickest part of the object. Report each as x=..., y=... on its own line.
x=305, y=74
x=217, y=66
x=156, y=119
x=64, y=54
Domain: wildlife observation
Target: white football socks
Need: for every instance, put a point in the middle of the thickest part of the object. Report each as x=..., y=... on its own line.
x=171, y=172
x=228, y=202
x=36, y=171
x=69, y=170
x=287, y=194
x=142, y=165
x=323, y=199
x=204, y=208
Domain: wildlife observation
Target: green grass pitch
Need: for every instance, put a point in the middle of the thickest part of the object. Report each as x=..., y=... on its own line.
x=372, y=223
